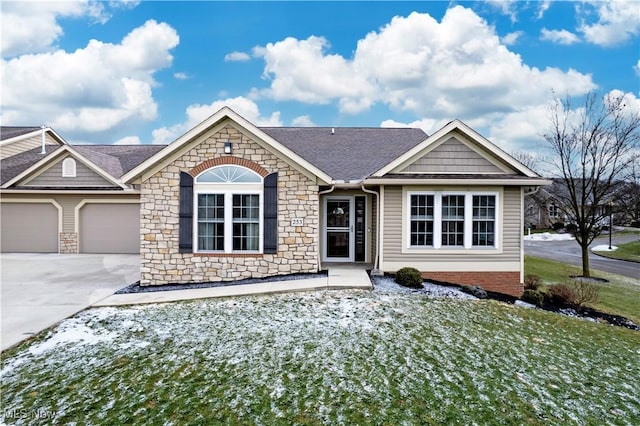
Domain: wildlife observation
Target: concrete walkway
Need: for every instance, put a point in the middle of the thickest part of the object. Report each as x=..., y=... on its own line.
x=338, y=278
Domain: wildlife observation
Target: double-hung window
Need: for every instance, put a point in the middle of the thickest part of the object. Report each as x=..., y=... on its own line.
x=229, y=210
x=484, y=220
x=421, y=220
x=452, y=220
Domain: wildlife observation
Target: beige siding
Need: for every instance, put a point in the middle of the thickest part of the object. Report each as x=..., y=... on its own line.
x=53, y=177
x=393, y=214
x=25, y=145
x=452, y=156
x=68, y=205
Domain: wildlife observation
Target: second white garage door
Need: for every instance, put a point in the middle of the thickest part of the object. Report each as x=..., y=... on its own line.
x=109, y=228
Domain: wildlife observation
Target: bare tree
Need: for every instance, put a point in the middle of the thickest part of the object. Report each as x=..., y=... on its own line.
x=593, y=147
x=627, y=197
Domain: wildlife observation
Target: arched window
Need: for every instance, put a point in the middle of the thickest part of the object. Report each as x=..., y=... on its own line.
x=228, y=210
x=69, y=167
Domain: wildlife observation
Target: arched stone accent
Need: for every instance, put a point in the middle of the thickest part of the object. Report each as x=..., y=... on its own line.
x=220, y=161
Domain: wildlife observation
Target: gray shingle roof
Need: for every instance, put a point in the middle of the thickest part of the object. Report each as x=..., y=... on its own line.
x=350, y=153
x=8, y=132
x=12, y=166
x=113, y=159
x=117, y=159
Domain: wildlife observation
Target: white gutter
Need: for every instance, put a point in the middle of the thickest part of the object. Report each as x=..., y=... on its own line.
x=376, y=270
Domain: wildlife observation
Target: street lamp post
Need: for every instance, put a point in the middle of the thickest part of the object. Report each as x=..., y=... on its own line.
x=610, y=222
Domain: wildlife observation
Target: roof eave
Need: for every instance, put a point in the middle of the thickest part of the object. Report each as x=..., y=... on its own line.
x=524, y=181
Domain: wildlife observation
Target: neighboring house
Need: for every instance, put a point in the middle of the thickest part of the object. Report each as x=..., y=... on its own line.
x=55, y=198
x=228, y=200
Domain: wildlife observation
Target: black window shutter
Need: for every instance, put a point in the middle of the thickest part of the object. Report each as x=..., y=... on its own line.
x=271, y=214
x=186, y=213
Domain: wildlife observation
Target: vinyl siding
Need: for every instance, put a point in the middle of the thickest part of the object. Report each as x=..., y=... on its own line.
x=53, y=177
x=452, y=156
x=25, y=145
x=393, y=214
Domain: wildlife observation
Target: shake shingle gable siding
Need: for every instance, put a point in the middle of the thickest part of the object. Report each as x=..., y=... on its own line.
x=347, y=153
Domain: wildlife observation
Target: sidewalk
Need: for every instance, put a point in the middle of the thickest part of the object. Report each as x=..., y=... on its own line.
x=338, y=278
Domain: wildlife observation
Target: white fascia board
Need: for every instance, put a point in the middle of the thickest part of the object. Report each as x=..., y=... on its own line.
x=453, y=181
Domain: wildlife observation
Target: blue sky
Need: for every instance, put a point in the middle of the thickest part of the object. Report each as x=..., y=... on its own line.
x=145, y=72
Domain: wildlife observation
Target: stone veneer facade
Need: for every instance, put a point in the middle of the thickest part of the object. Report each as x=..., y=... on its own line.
x=68, y=243
x=161, y=261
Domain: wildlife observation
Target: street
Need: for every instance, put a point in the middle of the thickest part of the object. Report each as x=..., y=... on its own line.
x=569, y=252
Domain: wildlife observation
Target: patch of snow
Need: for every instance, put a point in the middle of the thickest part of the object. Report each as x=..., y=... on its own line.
x=389, y=285
x=604, y=247
x=546, y=236
x=524, y=304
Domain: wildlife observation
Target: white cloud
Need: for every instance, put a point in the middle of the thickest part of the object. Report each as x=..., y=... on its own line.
x=198, y=113
x=506, y=7
x=429, y=126
x=636, y=67
x=92, y=89
x=180, y=76
x=543, y=6
x=302, y=121
x=32, y=26
x=128, y=140
x=617, y=22
x=511, y=38
x=559, y=36
x=236, y=57
x=441, y=70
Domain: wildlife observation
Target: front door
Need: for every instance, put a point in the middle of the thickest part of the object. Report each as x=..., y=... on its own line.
x=339, y=221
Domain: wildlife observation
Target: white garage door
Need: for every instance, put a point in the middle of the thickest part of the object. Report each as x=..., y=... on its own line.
x=110, y=228
x=28, y=228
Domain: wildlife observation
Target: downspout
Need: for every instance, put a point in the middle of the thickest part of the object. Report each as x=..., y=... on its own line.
x=326, y=191
x=376, y=269
x=44, y=129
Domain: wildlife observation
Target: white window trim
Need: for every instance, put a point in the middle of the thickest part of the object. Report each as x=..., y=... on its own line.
x=437, y=224
x=68, y=168
x=229, y=190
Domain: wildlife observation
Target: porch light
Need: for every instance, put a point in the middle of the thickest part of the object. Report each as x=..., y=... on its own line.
x=227, y=147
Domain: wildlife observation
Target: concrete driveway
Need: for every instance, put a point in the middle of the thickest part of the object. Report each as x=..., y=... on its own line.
x=40, y=290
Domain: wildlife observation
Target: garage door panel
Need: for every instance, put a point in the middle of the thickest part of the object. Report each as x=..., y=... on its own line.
x=28, y=228
x=109, y=228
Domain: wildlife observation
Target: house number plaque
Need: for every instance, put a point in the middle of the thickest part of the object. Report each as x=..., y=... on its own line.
x=298, y=221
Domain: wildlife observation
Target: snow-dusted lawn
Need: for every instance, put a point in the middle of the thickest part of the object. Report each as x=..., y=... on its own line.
x=547, y=236
x=334, y=357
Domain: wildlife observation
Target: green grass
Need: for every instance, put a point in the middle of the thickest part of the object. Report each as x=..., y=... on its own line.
x=619, y=296
x=326, y=358
x=627, y=251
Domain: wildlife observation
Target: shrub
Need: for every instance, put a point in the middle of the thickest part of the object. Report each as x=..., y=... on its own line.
x=533, y=296
x=561, y=294
x=585, y=292
x=557, y=226
x=409, y=277
x=476, y=291
x=571, y=228
x=532, y=282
